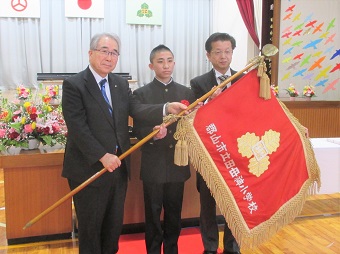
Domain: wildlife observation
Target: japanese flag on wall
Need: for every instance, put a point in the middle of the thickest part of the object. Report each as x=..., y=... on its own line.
x=84, y=8
x=20, y=8
x=144, y=12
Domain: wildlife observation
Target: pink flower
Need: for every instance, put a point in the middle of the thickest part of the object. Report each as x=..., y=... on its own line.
x=28, y=128
x=23, y=92
x=2, y=133
x=55, y=128
x=17, y=112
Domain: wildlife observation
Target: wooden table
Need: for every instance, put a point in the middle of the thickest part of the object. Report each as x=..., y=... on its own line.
x=32, y=183
x=327, y=154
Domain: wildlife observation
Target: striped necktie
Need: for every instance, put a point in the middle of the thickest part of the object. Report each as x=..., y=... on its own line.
x=102, y=88
x=223, y=78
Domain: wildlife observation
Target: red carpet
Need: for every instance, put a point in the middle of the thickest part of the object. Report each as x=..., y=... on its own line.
x=189, y=242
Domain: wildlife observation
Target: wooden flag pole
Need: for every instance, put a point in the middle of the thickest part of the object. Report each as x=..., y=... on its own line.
x=88, y=181
x=137, y=145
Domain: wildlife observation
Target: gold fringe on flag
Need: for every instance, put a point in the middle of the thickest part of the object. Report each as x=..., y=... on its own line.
x=203, y=163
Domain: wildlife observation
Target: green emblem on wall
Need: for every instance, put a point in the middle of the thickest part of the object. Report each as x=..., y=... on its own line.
x=144, y=11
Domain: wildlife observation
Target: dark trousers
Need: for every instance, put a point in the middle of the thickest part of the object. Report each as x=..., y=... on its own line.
x=170, y=197
x=208, y=222
x=100, y=211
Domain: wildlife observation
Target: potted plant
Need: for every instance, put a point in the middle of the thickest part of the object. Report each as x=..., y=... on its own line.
x=292, y=92
x=308, y=92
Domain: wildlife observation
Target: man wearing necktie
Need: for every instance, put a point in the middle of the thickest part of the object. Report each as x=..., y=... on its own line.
x=96, y=106
x=219, y=50
x=103, y=90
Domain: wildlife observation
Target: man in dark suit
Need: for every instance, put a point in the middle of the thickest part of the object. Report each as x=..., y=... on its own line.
x=219, y=50
x=163, y=181
x=96, y=105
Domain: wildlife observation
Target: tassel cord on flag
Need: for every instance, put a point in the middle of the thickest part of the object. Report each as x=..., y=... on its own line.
x=170, y=120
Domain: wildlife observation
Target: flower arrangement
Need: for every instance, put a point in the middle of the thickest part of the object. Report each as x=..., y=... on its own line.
x=16, y=124
x=291, y=90
x=23, y=93
x=51, y=93
x=308, y=91
x=50, y=126
x=275, y=90
x=20, y=122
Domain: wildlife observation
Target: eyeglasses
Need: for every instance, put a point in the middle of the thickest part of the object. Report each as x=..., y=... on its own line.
x=108, y=53
x=220, y=52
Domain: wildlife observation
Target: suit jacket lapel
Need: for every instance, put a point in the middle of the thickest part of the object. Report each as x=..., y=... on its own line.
x=114, y=98
x=213, y=81
x=94, y=90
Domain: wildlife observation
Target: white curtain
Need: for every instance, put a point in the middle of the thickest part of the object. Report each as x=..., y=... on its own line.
x=54, y=43
x=258, y=18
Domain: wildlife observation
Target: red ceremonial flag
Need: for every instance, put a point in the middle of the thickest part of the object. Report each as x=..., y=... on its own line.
x=255, y=158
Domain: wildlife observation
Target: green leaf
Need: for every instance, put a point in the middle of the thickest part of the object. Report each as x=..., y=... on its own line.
x=145, y=6
x=47, y=140
x=149, y=14
x=16, y=126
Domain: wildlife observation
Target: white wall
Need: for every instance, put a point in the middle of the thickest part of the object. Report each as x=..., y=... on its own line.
x=302, y=22
x=226, y=18
x=54, y=43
